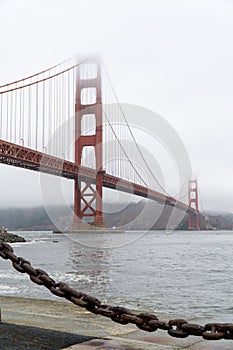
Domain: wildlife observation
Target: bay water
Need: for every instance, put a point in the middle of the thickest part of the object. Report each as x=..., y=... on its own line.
x=189, y=274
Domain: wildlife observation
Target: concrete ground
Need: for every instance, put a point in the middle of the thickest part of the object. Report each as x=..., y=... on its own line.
x=38, y=324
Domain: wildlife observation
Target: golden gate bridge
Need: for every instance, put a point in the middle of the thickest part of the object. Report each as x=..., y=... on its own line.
x=61, y=121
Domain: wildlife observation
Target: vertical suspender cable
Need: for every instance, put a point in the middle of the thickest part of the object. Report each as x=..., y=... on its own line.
x=73, y=99
x=37, y=118
x=68, y=116
x=1, y=131
x=49, y=116
x=59, y=115
x=15, y=119
x=54, y=116
x=57, y=119
x=22, y=136
x=7, y=121
x=29, y=116
x=11, y=112
x=43, y=117
x=0, y=116
x=64, y=102
x=20, y=116
x=63, y=125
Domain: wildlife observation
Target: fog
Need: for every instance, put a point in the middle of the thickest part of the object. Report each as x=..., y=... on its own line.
x=171, y=56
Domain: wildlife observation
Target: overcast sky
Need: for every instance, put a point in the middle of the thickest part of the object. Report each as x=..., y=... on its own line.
x=174, y=57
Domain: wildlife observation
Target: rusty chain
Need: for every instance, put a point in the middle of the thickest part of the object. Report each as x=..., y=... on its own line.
x=178, y=328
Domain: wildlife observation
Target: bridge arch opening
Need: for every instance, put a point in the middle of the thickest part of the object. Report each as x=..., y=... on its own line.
x=88, y=96
x=88, y=124
x=88, y=71
x=88, y=202
x=88, y=157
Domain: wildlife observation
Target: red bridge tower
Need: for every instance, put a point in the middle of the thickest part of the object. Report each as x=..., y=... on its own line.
x=193, y=218
x=88, y=195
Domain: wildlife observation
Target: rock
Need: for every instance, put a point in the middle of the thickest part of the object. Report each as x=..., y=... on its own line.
x=11, y=238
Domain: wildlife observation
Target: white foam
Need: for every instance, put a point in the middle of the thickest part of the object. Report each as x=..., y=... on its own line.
x=7, y=289
x=11, y=275
x=73, y=277
x=34, y=241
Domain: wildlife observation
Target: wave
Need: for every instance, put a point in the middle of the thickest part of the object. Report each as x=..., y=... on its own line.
x=7, y=289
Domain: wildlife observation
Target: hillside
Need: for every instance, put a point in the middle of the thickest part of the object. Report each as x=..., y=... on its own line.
x=221, y=221
x=142, y=215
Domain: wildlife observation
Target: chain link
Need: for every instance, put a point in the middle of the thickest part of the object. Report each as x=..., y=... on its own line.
x=178, y=328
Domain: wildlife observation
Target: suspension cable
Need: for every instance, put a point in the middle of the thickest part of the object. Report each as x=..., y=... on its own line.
x=133, y=137
x=36, y=74
x=122, y=148
x=42, y=80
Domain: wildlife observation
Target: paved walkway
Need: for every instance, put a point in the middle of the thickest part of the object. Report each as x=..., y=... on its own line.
x=38, y=324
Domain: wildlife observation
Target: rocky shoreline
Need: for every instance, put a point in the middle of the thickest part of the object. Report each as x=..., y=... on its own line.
x=10, y=238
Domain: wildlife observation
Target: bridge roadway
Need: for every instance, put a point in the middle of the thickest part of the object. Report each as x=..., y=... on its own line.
x=19, y=156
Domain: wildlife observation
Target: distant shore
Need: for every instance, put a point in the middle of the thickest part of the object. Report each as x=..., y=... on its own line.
x=155, y=217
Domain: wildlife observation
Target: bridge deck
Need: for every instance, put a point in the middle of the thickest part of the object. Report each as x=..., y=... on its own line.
x=19, y=156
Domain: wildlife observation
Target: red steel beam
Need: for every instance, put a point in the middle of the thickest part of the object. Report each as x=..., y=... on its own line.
x=27, y=158
x=19, y=156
